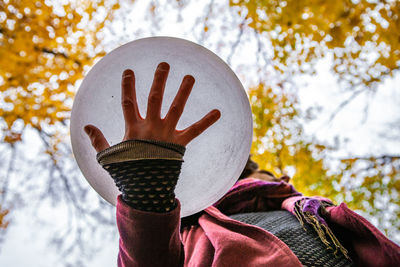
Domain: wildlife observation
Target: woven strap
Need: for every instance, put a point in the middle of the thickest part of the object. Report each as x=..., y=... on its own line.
x=304, y=242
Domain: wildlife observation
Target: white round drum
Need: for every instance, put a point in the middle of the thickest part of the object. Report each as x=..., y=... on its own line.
x=213, y=161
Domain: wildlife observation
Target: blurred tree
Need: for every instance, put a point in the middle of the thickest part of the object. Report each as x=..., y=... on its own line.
x=362, y=35
x=370, y=185
x=47, y=46
x=45, y=49
x=3, y=221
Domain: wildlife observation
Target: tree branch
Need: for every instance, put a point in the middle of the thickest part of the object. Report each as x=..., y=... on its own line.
x=55, y=53
x=10, y=169
x=238, y=39
x=345, y=103
x=385, y=158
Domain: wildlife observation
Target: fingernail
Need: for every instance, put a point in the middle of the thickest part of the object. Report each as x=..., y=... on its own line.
x=87, y=130
x=189, y=78
x=163, y=66
x=127, y=72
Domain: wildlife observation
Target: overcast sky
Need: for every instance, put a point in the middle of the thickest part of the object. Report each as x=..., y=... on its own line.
x=26, y=241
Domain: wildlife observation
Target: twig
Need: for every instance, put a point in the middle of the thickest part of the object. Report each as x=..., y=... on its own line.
x=56, y=53
x=238, y=39
x=207, y=16
x=345, y=103
x=10, y=169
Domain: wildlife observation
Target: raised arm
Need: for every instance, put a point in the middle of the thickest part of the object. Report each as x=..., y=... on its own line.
x=146, y=167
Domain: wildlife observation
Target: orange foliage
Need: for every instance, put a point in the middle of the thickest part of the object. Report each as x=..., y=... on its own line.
x=45, y=49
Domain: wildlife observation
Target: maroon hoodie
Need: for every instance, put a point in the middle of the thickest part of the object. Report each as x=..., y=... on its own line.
x=156, y=239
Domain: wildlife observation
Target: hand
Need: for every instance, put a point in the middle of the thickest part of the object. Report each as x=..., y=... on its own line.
x=153, y=127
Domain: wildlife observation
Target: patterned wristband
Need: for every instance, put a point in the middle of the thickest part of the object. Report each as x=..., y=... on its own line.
x=145, y=171
x=147, y=184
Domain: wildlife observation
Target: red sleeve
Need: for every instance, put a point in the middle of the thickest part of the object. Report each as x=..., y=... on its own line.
x=368, y=246
x=148, y=238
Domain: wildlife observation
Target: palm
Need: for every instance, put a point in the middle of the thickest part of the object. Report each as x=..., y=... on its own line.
x=153, y=127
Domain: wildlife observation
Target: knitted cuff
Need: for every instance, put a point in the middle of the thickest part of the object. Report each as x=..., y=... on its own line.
x=145, y=171
x=140, y=149
x=147, y=184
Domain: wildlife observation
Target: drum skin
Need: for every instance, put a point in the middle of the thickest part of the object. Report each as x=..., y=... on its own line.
x=213, y=161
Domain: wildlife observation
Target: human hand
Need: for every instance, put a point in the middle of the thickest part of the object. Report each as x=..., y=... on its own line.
x=153, y=127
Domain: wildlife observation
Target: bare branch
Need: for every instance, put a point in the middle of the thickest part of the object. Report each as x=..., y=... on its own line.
x=56, y=53
x=238, y=39
x=345, y=103
x=206, y=18
x=385, y=158
x=10, y=169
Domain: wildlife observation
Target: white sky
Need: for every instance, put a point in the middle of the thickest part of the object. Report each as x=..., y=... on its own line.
x=364, y=136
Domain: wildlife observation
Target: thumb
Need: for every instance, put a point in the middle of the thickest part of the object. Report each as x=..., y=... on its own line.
x=97, y=138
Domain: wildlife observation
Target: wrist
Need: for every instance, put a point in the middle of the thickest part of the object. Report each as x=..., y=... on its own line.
x=145, y=171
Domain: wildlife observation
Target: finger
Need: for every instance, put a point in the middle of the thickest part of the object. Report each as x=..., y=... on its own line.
x=196, y=129
x=128, y=98
x=157, y=91
x=177, y=106
x=97, y=138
